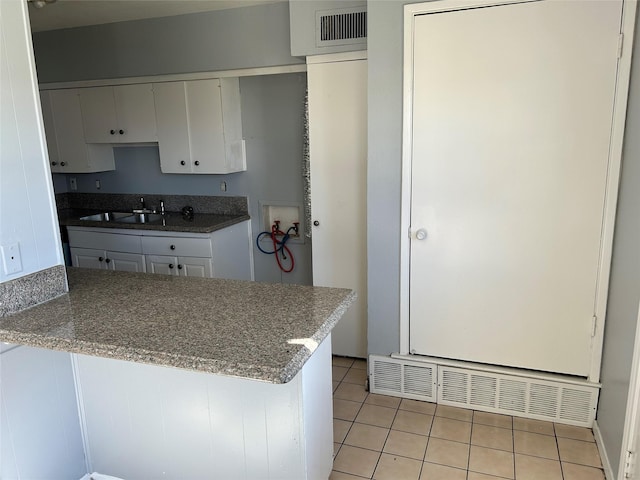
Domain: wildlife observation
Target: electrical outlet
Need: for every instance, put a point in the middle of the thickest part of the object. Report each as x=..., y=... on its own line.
x=223, y=186
x=98, y=186
x=73, y=183
x=11, y=260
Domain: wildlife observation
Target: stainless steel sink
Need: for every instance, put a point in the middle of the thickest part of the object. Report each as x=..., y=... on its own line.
x=123, y=217
x=106, y=216
x=140, y=218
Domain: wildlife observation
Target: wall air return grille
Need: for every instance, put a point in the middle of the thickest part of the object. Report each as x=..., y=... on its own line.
x=517, y=395
x=341, y=27
x=508, y=391
x=401, y=378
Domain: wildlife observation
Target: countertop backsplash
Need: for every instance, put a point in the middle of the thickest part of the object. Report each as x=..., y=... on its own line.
x=219, y=205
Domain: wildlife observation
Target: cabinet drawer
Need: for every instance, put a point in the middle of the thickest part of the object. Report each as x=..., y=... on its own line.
x=105, y=241
x=183, y=247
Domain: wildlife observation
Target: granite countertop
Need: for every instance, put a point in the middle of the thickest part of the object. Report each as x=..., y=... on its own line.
x=173, y=221
x=244, y=329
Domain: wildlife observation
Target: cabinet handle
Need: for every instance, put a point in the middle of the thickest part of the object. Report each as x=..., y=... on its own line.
x=108, y=260
x=62, y=164
x=112, y=132
x=182, y=162
x=54, y=163
x=179, y=267
x=120, y=132
x=100, y=259
x=316, y=223
x=197, y=163
x=172, y=247
x=171, y=265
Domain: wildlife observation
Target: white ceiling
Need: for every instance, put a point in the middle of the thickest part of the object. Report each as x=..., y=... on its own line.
x=76, y=13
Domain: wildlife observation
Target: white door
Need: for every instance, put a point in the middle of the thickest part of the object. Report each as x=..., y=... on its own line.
x=512, y=112
x=173, y=127
x=99, y=115
x=206, y=130
x=88, y=258
x=165, y=265
x=194, y=267
x=126, y=262
x=338, y=147
x=136, y=113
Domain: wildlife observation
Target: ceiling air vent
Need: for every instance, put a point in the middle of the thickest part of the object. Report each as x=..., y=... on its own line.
x=345, y=26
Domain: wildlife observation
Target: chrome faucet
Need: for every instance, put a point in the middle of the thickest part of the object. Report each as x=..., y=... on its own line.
x=143, y=208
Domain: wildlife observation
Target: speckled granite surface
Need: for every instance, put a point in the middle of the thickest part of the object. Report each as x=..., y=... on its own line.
x=173, y=222
x=245, y=329
x=211, y=213
x=218, y=205
x=30, y=290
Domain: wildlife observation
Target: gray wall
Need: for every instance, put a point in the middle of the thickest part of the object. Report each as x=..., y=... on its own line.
x=385, y=19
x=272, y=106
x=624, y=286
x=219, y=40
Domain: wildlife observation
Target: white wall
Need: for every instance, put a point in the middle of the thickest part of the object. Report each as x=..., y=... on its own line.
x=39, y=422
x=27, y=213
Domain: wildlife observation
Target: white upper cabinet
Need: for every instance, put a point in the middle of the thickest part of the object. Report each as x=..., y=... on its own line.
x=68, y=152
x=118, y=114
x=199, y=126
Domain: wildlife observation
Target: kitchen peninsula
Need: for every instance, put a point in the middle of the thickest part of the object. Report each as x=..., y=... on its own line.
x=182, y=377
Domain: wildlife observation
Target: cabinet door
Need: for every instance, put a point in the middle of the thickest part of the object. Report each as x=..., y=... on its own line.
x=206, y=130
x=173, y=127
x=67, y=129
x=195, y=267
x=88, y=258
x=49, y=130
x=162, y=264
x=68, y=151
x=125, y=262
x=136, y=113
x=99, y=115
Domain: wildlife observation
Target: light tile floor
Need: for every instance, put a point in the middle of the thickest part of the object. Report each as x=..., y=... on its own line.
x=388, y=438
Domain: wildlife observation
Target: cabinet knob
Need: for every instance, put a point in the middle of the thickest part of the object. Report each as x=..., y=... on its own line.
x=179, y=267
x=120, y=132
x=100, y=259
x=54, y=163
x=112, y=132
x=197, y=163
x=172, y=247
x=108, y=260
x=62, y=164
x=182, y=162
x=316, y=223
x=171, y=265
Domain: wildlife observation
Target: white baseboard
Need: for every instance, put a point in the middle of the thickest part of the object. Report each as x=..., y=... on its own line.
x=606, y=464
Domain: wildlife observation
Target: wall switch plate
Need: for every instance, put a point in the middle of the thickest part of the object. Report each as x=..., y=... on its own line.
x=73, y=183
x=223, y=186
x=98, y=186
x=11, y=260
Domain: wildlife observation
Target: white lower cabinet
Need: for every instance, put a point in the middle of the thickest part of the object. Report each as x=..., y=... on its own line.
x=225, y=253
x=92, y=258
x=179, y=266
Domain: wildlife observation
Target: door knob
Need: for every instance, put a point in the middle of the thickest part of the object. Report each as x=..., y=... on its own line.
x=421, y=234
